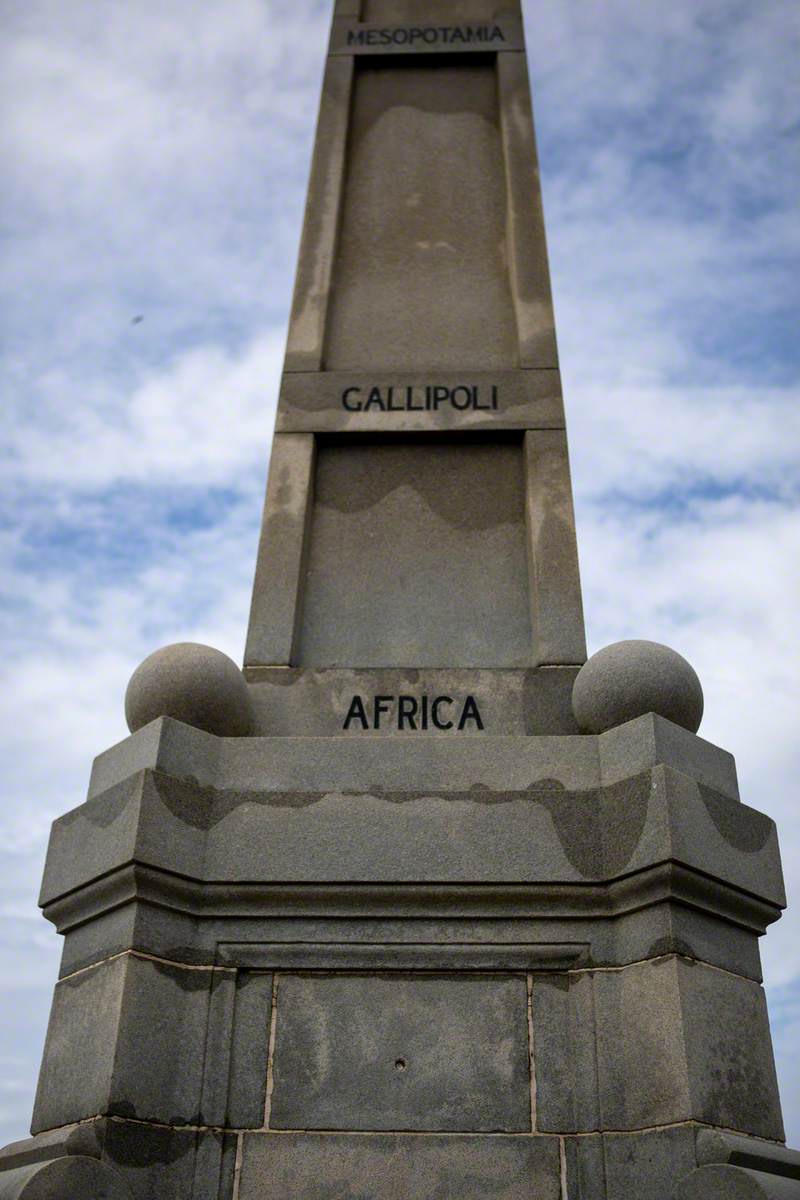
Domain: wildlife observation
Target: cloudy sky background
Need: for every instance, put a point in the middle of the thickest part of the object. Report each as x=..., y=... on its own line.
x=155, y=158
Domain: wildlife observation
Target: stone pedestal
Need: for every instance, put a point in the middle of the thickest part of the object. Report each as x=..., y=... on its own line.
x=523, y=967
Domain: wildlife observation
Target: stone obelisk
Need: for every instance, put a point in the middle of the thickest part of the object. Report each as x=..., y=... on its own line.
x=419, y=905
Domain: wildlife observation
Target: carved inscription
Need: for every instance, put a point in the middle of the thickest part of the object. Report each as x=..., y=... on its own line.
x=414, y=713
x=429, y=398
x=427, y=35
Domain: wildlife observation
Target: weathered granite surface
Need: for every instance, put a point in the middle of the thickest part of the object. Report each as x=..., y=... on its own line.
x=408, y=932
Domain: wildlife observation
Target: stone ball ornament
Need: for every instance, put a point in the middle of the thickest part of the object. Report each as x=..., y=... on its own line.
x=192, y=683
x=628, y=679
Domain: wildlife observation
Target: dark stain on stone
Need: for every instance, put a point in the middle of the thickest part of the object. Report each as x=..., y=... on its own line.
x=90, y=974
x=190, y=802
x=125, y=1110
x=547, y=701
x=742, y=827
x=599, y=829
x=549, y=785
x=204, y=807
x=142, y=1146
x=187, y=980
x=552, y=979
x=355, y=476
x=624, y=815
x=122, y=1108
x=87, y=1139
x=195, y=956
x=575, y=817
x=670, y=945
x=417, y=86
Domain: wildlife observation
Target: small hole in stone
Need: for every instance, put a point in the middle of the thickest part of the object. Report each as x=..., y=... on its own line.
x=399, y=1064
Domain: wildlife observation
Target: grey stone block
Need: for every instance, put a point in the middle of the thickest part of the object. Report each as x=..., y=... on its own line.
x=565, y=1052
x=137, y=925
x=160, y=1052
x=330, y=763
x=722, y=837
x=676, y=818
x=729, y=1051
x=650, y=740
x=291, y=701
x=126, y=1038
x=91, y=840
x=415, y=838
x=541, y=833
x=248, y=1066
x=604, y=939
x=415, y=401
x=455, y=957
x=623, y=1166
x=735, y=1183
x=397, y=1053
x=694, y=1027
x=675, y=928
x=653, y=1044
x=158, y=1163
x=386, y=1167
x=78, y=1063
x=64, y=1179
x=646, y=1165
x=500, y=762
x=716, y=1146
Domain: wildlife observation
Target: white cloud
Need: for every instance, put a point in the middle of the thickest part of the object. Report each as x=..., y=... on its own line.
x=201, y=420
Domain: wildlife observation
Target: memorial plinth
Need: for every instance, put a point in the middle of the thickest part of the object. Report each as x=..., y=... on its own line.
x=392, y=915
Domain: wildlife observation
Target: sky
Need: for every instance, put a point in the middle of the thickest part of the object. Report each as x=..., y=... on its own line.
x=154, y=162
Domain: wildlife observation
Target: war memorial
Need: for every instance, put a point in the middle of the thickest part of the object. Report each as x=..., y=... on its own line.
x=419, y=905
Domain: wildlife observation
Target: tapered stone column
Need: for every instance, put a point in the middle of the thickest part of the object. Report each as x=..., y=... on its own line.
x=389, y=915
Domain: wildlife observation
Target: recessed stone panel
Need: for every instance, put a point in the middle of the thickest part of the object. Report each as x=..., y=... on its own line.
x=417, y=555
x=421, y=276
x=400, y=1052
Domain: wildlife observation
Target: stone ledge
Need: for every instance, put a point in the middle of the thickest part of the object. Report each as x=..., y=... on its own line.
x=728, y=1182
x=578, y=761
x=661, y=884
x=719, y=1146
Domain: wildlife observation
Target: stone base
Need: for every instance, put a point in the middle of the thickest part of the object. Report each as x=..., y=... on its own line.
x=518, y=967
x=125, y=1160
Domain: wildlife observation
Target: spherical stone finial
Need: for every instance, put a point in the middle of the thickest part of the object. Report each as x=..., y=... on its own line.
x=628, y=679
x=194, y=684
